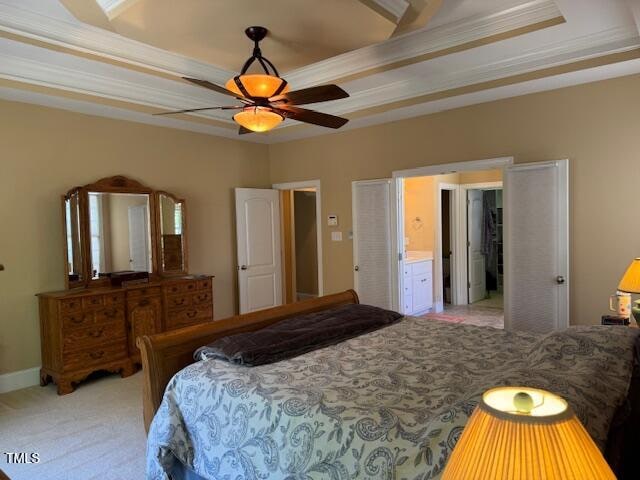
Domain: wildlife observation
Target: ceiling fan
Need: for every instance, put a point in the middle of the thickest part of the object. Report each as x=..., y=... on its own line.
x=266, y=99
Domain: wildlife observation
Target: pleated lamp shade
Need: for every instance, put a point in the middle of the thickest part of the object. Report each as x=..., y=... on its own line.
x=630, y=282
x=519, y=433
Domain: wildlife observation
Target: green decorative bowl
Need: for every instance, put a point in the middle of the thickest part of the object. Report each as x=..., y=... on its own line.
x=636, y=311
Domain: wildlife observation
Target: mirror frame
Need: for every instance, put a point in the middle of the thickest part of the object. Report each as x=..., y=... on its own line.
x=185, y=244
x=83, y=280
x=119, y=184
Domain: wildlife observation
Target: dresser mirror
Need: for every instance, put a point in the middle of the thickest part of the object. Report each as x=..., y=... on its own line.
x=74, y=266
x=172, y=231
x=118, y=224
x=119, y=233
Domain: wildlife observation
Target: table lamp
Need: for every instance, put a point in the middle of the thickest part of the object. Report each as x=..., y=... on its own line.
x=630, y=283
x=520, y=433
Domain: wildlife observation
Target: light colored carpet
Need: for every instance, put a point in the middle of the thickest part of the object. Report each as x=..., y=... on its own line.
x=443, y=317
x=96, y=432
x=495, y=300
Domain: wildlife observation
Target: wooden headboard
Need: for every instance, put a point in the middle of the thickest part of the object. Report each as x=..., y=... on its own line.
x=164, y=354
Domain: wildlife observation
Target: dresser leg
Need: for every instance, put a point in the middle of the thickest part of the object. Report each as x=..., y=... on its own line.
x=128, y=370
x=44, y=379
x=64, y=387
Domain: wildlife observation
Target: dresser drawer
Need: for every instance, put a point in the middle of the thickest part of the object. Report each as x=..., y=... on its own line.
x=202, y=297
x=70, y=305
x=143, y=292
x=114, y=298
x=84, y=318
x=86, y=359
x=189, y=316
x=179, y=301
x=93, y=336
x=94, y=301
x=204, y=284
x=182, y=287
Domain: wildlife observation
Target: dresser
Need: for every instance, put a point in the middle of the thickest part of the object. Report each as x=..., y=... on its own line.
x=86, y=330
x=418, y=283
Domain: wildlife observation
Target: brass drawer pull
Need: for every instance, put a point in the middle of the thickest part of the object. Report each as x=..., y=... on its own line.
x=143, y=303
x=202, y=297
x=111, y=313
x=78, y=320
x=192, y=313
x=190, y=286
x=177, y=303
x=96, y=355
x=96, y=333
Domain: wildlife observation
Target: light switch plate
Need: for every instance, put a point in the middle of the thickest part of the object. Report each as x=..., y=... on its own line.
x=336, y=236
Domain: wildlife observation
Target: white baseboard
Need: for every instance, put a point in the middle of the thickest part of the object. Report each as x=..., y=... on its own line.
x=20, y=379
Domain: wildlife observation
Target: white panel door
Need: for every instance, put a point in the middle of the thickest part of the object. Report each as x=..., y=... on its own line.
x=477, y=277
x=139, y=249
x=536, y=248
x=372, y=246
x=259, y=259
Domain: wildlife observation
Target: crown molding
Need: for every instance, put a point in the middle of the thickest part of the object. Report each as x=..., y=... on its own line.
x=113, y=8
x=96, y=41
x=394, y=10
x=87, y=38
x=97, y=82
x=614, y=40
x=423, y=42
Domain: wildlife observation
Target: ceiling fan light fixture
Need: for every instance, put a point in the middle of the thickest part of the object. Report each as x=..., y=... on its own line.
x=257, y=85
x=258, y=119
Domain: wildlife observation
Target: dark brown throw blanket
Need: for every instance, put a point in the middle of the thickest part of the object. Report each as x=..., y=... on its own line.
x=298, y=335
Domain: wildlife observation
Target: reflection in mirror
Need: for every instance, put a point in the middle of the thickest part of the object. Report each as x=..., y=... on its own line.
x=171, y=231
x=120, y=233
x=72, y=229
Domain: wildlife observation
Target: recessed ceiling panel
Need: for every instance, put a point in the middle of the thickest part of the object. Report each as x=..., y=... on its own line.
x=301, y=31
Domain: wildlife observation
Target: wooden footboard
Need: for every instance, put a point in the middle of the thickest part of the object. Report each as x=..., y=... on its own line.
x=164, y=354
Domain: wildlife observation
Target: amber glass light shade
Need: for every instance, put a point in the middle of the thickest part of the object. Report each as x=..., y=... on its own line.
x=257, y=85
x=630, y=282
x=519, y=433
x=258, y=119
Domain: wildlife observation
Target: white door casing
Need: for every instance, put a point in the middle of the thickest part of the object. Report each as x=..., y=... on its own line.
x=477, y=261
x=536, y=246
x=139, y=238
x=258, y=243
x=373, y=248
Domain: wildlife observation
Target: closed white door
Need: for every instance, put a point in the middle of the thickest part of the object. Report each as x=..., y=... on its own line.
x=372, y=247
x=139, y=239
x=536, y=248
x=258, y=238
x=477, y=277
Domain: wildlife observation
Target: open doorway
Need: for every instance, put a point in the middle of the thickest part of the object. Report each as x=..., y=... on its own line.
x=452, y=256
x=301, y=240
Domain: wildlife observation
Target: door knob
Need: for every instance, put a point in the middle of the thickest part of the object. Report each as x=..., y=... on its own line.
x=356, y=268
x=243, y=267
x=560, y=279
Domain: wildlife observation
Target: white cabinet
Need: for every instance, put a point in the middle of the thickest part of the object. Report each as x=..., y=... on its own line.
x=418, y=287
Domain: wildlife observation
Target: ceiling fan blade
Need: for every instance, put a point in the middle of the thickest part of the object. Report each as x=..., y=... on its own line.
x=243, y=131
x=189, y=110
x=322, y=93
x=216, y=88
x=310, y=116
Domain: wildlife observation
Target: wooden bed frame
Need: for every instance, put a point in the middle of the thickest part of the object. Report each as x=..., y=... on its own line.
x=164, y=354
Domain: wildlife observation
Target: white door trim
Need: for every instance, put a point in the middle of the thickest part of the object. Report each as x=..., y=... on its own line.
x=311, y=184
x=564, y=253
x=463, y=266
x=446, y=168
x=438, y=299
x=499, y=163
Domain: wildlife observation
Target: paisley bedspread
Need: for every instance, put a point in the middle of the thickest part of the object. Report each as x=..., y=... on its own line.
x=386, y=405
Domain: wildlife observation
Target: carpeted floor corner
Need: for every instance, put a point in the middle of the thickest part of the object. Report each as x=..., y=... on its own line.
x=96, y=432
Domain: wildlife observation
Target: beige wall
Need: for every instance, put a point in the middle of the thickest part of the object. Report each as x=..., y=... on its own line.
x=45, y=152
x=306, y=238
x=596, y=126
x=419, y=213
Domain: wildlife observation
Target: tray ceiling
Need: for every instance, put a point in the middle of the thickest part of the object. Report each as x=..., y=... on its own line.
x=396, y=58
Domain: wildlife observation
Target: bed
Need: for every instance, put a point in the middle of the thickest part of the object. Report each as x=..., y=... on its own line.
x=388, y=404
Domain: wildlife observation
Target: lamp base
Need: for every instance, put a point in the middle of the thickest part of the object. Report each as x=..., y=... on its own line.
x=636, y=311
